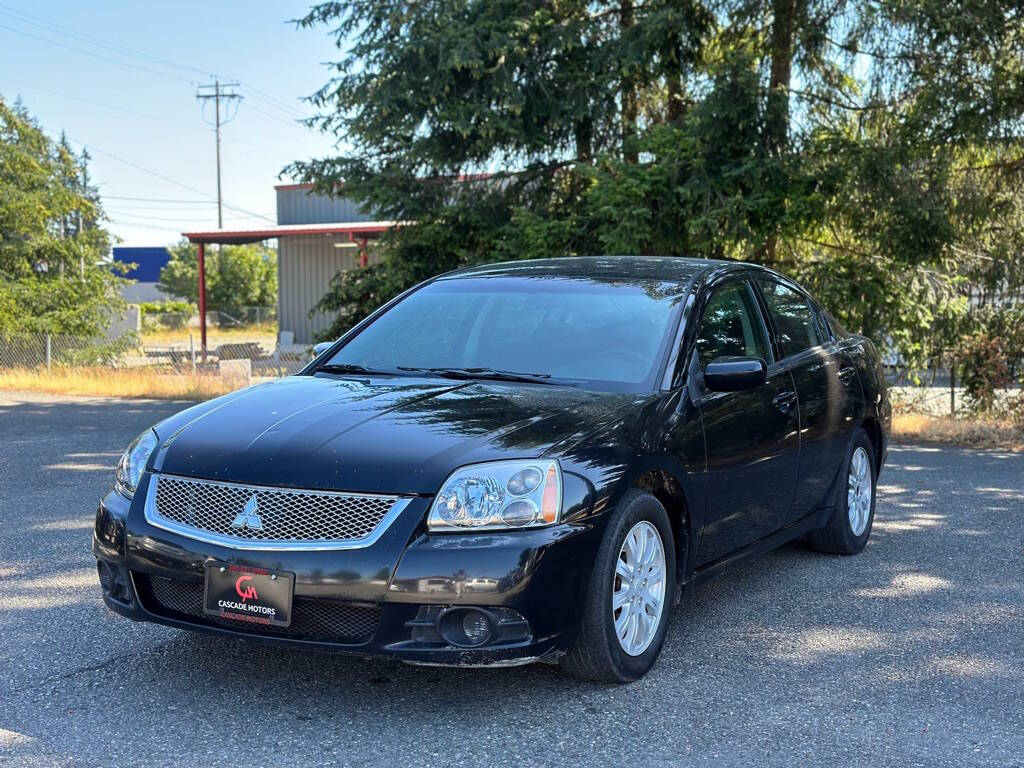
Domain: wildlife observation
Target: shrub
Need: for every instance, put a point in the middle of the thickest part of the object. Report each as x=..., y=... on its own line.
x=1006, y=323
x=167, y=314
x=984, y=369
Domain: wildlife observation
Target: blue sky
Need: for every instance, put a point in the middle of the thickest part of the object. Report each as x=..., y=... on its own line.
x=140, y=110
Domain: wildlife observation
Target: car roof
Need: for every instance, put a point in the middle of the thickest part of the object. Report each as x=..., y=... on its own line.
x=669, y=268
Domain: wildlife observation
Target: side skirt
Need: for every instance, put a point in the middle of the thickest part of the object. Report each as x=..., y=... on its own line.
x=813, y=521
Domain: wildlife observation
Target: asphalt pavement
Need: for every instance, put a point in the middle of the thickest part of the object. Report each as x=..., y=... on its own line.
x=911, y=654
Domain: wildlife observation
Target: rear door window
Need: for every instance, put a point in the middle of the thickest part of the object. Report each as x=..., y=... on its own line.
x=795, y=324
x=824, y=330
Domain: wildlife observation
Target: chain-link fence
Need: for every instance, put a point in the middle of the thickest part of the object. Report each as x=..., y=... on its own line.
x=938, y=388
x=172, y=316
x=54, y=351
x=48, y=350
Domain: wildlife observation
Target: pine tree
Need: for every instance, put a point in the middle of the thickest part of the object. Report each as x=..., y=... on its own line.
x=53, y=248
x=834, y=140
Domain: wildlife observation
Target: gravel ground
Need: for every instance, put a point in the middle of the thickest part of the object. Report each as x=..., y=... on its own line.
x=911, y=654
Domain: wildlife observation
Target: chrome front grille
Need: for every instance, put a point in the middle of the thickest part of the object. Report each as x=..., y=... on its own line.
x=264, y=517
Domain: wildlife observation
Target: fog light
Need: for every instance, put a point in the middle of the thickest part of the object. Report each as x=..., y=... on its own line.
x=114, y=581
x=465, y=627
x=476, y=627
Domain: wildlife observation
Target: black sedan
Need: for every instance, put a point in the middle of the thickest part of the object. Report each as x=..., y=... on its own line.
x=520, y=462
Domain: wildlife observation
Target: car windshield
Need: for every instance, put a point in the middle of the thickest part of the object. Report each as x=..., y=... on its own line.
x=552, y=329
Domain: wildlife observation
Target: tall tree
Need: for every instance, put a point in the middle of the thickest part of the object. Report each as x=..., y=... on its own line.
x=54, y=276
x=829, y=137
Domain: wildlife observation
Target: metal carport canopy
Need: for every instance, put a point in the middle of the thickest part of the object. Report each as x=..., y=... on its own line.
x=357, y=231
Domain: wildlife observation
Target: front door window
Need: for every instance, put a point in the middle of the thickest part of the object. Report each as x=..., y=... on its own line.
x=731, y=326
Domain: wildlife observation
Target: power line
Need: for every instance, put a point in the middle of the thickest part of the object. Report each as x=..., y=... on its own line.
x=168, y=179
x=102, y=105
x=176, y=209
x=23, y=17
x=139, y=225
x=154, y=199
x=122, y=62
x=84, y=37
x=261, y=95
x=293, y=123
x=135, y=113
x=269, y=97
x=119, y=213
x=156, y=174
x=178, y=217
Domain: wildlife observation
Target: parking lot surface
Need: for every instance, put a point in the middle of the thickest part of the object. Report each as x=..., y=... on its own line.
x=911, y=654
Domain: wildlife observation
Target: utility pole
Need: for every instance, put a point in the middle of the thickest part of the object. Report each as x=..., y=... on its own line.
x=218, y=95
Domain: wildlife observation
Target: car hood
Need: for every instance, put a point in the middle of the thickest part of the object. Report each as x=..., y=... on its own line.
x=383, y=435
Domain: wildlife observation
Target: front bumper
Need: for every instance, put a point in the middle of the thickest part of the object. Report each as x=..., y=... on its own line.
x=380, y=600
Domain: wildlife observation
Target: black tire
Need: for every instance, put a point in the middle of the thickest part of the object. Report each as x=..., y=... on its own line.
x=597, y=654
x=838, y=537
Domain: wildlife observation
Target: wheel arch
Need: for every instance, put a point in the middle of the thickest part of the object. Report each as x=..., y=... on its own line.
x=667, y=482
x=871, y=425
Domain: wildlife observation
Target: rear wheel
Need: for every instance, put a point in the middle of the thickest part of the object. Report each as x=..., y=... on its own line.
x=628, y=604
x=849, y=527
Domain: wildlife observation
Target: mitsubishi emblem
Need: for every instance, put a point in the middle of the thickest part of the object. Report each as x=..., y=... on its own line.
x=249, y=516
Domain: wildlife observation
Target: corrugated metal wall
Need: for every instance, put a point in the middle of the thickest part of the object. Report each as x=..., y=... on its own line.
x=298, y=206
x=305, y=266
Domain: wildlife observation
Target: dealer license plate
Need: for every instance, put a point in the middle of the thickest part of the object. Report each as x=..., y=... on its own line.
x=252, y=595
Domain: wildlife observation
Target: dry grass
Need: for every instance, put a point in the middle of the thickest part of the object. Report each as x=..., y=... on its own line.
x=115, y=382
x=265, y=335
x=975, y=432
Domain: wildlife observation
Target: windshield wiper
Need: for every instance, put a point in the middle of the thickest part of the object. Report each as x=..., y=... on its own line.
x=346, y=368
x=480, y=373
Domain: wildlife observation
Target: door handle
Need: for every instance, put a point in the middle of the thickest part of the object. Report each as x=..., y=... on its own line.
x=784, y=400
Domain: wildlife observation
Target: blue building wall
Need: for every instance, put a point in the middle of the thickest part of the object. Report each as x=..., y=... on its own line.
x=149, y=260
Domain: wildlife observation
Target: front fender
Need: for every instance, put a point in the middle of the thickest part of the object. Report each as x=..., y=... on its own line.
x=660, y=450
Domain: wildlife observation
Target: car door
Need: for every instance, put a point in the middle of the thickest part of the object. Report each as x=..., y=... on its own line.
x=846, y=392
x=751, y=438
x=826, y=385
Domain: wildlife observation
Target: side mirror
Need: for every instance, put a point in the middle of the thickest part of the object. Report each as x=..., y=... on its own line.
x=319, y=349
x=735, y=374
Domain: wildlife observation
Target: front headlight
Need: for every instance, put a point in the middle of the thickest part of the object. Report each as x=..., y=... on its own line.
x=132, y=464
x=499, y=495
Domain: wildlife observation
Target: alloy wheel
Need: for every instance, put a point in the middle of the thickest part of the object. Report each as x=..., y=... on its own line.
x=638, y=595
x=858, y=495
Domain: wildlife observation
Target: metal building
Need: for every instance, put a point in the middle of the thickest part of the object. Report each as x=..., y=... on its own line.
x=317, y=237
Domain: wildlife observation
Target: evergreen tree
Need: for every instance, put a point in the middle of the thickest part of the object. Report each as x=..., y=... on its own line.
x=54, y=272
x=837, y=141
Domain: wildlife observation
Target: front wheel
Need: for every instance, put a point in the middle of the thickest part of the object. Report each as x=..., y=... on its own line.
x=628, y=604
x=849, y=526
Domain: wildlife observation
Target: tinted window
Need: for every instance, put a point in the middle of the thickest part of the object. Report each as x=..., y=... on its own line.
x=794, y=322
x=573, y=329
x=731, y=326
x=838, y=331
x=824, y=331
